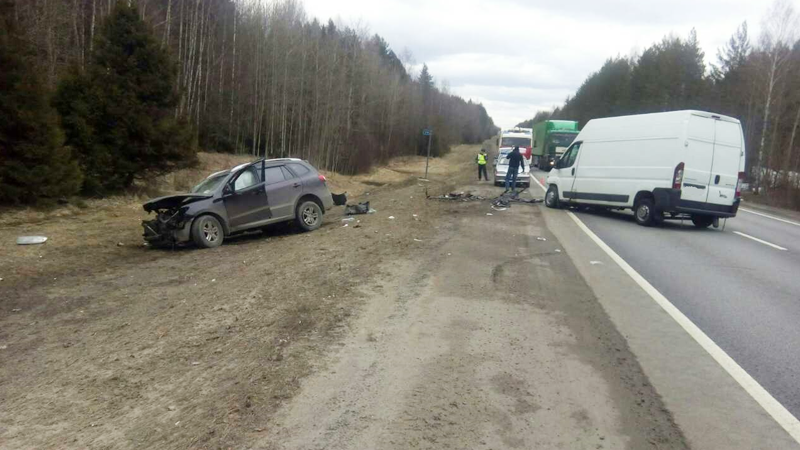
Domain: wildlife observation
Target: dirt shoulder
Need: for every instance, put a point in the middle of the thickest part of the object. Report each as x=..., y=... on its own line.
x=105, y=343
x=487, y=338
x=426, y=324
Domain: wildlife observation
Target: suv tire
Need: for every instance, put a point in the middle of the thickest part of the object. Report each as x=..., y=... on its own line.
x=309, y=215
x=207, y=232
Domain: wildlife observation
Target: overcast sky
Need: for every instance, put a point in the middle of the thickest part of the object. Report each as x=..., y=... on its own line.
x=519, y=56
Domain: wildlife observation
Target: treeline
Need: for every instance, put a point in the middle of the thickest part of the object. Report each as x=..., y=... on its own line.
x=758, y=83
x=259, y=77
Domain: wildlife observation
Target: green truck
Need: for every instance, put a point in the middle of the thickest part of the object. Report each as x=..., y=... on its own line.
x=550, y=139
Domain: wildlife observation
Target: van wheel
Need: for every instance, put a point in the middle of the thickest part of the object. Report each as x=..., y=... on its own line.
x=551, y=197
x=701, y=221
x=645, y=212
x=207, y=232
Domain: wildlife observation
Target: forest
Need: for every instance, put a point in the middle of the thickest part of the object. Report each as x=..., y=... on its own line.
x=754, y=80
x=249, y=76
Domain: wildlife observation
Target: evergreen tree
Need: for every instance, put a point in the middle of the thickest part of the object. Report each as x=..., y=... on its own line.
x=426, y=85
x=605, y=93
x=119, y=113
x=34, y=164
x=669, y=76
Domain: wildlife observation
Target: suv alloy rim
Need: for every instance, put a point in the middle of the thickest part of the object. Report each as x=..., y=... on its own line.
x=210, y=232
x=310, y=216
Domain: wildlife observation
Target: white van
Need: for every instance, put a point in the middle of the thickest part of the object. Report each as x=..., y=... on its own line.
x=681, y=164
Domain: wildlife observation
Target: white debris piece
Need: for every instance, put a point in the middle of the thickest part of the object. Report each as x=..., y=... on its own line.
x=31, y=240
x=391, y=217
x=594, y=263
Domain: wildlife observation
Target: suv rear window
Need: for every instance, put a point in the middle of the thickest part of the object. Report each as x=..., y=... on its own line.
x=299, y=169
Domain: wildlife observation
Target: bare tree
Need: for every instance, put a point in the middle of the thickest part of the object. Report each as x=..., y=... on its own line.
x=779, y=33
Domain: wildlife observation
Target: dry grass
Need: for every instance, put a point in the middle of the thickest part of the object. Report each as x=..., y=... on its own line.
x=179, y=181
x=398, y=170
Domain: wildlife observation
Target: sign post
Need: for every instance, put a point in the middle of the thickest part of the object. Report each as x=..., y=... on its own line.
x=428, y=132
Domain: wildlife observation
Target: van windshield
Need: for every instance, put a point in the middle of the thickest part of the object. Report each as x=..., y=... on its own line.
x=512, y=141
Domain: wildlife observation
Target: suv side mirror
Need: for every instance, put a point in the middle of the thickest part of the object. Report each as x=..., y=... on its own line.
x=227, y=190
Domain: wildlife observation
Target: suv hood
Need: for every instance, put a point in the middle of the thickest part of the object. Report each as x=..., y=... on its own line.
x=171, y=201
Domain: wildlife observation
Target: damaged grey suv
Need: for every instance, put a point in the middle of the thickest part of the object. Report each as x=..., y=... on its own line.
x=247, y=197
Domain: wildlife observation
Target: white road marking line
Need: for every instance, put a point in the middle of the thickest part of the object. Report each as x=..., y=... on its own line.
x=770, y=217
x=760, y=240
x=781, y=415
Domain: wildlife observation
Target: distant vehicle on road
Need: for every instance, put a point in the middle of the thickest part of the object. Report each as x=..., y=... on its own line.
x=681, y=164
x=523, y=137
x=550, y=140
x=247, y=197
x=501, y=169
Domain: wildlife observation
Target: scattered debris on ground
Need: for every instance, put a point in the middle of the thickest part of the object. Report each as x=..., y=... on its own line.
x=361, y=208
x=31, y=240
x=458, y=196
x=339, y=199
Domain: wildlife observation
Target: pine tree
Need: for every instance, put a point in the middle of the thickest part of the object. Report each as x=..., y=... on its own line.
x=35, y=166
x=119, y=113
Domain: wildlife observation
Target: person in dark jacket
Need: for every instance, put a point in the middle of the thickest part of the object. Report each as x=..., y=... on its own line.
x=515, y=161
x=481, y=160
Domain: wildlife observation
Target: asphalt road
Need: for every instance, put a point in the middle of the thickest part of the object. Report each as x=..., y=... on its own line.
x=743, y=293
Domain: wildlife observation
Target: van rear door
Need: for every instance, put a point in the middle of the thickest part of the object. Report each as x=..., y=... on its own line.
x=725, y=166
x=698, y=158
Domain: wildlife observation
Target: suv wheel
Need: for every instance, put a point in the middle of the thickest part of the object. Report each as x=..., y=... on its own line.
x=551, y=197
x=207, y=232
x=309, y=215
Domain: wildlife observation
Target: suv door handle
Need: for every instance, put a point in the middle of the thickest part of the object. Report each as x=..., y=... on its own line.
x=297, y=185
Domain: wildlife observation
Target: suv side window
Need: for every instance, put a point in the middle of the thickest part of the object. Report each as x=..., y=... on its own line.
x=299, y=169
x=286, y=174
x=273, y=175
x=248, y=177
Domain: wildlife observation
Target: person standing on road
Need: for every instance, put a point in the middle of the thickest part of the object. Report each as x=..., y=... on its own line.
x=481, y=160
x=515, y=161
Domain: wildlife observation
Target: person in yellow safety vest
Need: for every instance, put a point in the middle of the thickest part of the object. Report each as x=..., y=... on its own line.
x=481, y=160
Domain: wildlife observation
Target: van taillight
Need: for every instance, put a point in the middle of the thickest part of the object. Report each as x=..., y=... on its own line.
x=677, y=178
x=739, y=185
x=322, y=178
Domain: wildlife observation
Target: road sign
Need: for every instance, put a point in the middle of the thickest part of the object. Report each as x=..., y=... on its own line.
x=427, y=132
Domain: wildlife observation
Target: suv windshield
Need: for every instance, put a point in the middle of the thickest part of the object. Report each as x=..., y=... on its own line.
x=512, y=141
x=209, y=185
